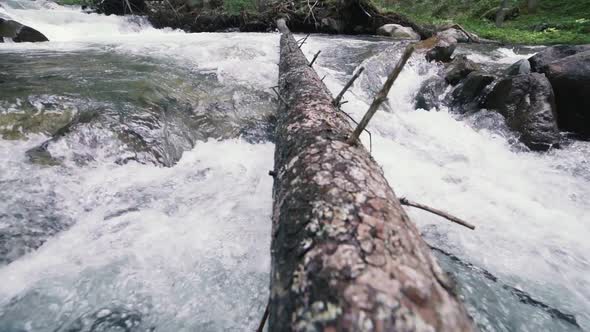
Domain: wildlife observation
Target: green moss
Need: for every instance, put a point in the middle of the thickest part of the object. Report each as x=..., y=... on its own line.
x=568, y=21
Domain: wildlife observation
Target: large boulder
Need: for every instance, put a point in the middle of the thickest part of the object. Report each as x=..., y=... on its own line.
x=467, y=94
x=459, y=68
x=398, y=32
x=521, y=67
x=553, y=53
x=20, y=33
x=429, y=95
x=440, y=48
x=528, y=105
x=570, y=78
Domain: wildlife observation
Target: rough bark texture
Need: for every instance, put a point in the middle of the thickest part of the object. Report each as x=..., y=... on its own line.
x=345, y=256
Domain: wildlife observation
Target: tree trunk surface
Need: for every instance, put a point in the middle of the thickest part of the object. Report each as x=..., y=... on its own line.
x=345, y=256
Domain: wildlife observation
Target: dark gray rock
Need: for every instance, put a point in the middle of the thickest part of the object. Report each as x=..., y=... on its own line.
x=552, y=53
x=442, y=49
x=459, y=68
x=521, y=67
x=467, y=94
x=20, y=33
x=429, y=95
x=528, y=105
x=570, y=78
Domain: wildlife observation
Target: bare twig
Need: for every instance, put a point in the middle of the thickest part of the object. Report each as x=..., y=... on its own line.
x=405, y=201
x=264, y=318
x=336, y=101
x=303, y=40
x=367, y=130
x=311, y=12
x=314, y=58
x=382, y=95
x=280, y=97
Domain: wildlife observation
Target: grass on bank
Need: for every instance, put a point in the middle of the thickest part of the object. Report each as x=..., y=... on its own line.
x=568, y=21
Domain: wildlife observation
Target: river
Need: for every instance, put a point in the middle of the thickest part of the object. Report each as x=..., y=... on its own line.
x=151, y=210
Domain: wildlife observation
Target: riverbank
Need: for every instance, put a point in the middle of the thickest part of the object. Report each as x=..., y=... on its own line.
x=554, y=21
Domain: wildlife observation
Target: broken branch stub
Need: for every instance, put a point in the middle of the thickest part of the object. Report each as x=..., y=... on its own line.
x=345, y=256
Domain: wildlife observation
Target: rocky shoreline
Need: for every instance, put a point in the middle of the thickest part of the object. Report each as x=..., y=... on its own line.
x=539, y=98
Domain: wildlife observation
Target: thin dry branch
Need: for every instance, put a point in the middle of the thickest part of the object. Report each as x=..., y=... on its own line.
x=314, y=58
x=405, y=201
x=336, y=102
x=264, y=318
x=381, y=96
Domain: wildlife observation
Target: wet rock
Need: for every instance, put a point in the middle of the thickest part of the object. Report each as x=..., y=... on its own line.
x=528, y=105
x=550, y=54
x=459, y=68
x=521, y=67
x=398, y=32
x=570, y=78
x=20, y=33
x=466, y=95
x=457, y=34
x=430, y=93
x=441, y=49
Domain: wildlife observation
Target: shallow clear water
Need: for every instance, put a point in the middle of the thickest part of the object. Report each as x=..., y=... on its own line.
x=109, y=237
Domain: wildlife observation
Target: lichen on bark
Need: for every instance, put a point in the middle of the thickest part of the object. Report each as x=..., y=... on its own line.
x=345, y=256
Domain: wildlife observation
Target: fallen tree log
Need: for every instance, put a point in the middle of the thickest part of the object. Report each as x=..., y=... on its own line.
x=345, y=256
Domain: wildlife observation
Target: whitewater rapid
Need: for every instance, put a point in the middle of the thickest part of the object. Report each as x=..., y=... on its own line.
x=186, y=247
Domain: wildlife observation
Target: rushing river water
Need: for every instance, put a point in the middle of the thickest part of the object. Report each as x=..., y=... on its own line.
x=150, y=209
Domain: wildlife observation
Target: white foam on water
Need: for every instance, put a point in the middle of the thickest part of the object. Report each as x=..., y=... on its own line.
x=187, y=244
x=531, y=210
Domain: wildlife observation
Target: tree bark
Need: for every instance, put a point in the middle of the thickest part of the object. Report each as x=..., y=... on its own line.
x=345, y=256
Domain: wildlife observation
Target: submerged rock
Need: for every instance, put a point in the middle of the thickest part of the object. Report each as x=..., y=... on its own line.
x=459, y=68
x=20, y=33
x=550, y=54
x=440, y=48
x=398, y=32
x=570, y=78
x=528, y=105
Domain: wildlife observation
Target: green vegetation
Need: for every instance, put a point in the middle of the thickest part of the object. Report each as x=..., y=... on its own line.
x=238, y=6
x=555, y=21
